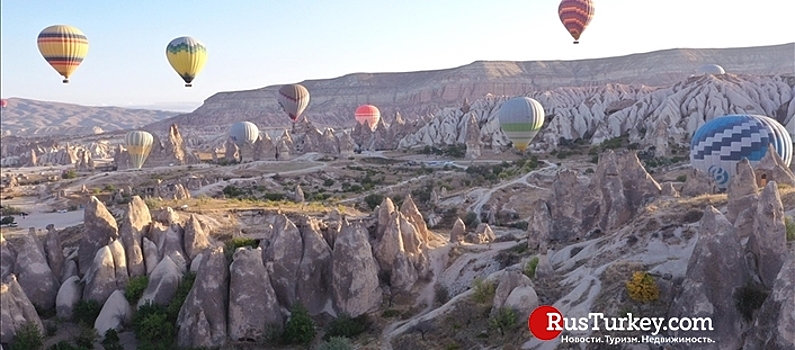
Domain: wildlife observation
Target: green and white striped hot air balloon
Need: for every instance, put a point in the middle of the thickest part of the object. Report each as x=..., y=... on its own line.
x=139, y=144
x=520, y=119
x=244, y=133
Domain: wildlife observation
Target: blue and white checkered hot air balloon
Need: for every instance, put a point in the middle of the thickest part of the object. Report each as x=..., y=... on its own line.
x=721, y=143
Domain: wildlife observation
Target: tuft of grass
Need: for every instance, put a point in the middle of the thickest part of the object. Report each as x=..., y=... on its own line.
x=530, y=267
x=484, y=290
x=789, y=221
x=642, y=287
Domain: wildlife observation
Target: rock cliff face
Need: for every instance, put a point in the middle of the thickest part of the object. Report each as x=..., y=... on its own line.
x=420, y=93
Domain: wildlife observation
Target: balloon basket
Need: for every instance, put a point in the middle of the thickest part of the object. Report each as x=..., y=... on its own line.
x=576, y=42
x=66, y=81
x=188, y=85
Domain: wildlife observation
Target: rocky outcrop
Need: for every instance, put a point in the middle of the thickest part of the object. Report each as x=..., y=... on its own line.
x=53, y=249
x=772, y=168
x=15, y=310
x=115, y=313
x=774, y=327
x=134, y=224
x=715, y=270
x=401, y=250
x=264, y=149
x=314, y=272
x=33, y=274
x=202, y=320
x=253, y=306
x=68, y=295
x=196, y=240
x=100, y=229
x=472, y=140
x=354, y=287
x=458, y=232
x=100, y=279
x=698, y=183
x=769, y=241
x=231, y=152
x=743, y=192
x=283, y=257
x=483, y=234
x=8, y=258
x=163, y=283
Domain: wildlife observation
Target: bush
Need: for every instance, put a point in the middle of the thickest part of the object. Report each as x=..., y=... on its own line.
x=388, y=313
x=85, y=337
x=111, y=341
x=471, y=219
x=642, y=287
x=135, y=288
x=748, y=298
x=328, y=182
x=300, y=329
x=64, y=345
x=504, y=320
x=336, y=343
x=484, y=290
x=530, y=268
x=373, y=200
x=151, y=325
x=86, y=312
x=69, y=174
x=441, y=295
x=789, y=221
x=346, y=326
x=183, y=289
x=28, y=337
x=681, y=178
x=231, y=191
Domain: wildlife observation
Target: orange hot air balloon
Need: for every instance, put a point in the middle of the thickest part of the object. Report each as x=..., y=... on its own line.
x=64, y=47
x=369, y=114
x=575, y=15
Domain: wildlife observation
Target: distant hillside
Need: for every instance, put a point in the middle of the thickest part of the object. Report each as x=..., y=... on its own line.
x=25, y=117
x=420, y=93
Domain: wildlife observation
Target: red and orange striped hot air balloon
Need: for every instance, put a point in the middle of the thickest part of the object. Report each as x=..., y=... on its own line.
x=64, y=47
x=575, y=15
x=368, y=114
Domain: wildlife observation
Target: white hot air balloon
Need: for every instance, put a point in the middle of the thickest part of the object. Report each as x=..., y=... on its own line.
x=244, y=133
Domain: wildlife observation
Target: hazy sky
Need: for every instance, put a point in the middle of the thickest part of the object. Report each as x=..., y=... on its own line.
x=252, y=44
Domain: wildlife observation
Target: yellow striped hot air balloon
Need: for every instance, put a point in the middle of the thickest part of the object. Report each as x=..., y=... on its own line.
x=139, y=144
x=64, y=47
x=187, y=56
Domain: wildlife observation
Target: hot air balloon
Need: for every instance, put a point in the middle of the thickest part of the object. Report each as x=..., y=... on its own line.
x=244, y=133
x=64, y=47
x=187, y=56
x=3, y=103
x=369, y=114
x=718, y=145
x=520, y=119
x=293, y=99
x=710, y=69
x=575, y=15
x=139, y=144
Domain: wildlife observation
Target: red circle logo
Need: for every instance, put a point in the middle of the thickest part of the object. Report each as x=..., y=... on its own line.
x=546, y=322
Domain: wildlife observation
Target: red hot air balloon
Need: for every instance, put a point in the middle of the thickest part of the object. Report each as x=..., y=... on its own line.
x=369, y=114
x=3, y=103
x=575, y=15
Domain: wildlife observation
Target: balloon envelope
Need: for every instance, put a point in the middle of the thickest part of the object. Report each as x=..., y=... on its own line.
x=718, y=145
x=64, y=47
x=369, y=114
x=520, y=119
x=187, y=56
x=244, y=133
x=293, y=98
x=710, y=69
x=3, y=103
x=139, y=144
x=575, y=16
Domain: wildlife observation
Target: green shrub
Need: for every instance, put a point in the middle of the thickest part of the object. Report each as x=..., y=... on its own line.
x=28, y=337
x=748, y=298
x=86, y=337
x=484, y=290
x=183, y=289
x=504, y=320
x=111, y=341
x=373, y=200
x=789, y=221
x=388, y=313
x=440, y=293
x=346, y=326
x=64, y=345
x=530, y=268
x=135, y=288
x=336, y=343
x=681, y=178
x=471, y=219
x=86, y=312
x=328, y=182
x=151, y=325
x=300, y=329
x=69, y=174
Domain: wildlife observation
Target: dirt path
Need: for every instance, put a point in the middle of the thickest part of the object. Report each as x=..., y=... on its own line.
x=218, y=186
x=484, y=194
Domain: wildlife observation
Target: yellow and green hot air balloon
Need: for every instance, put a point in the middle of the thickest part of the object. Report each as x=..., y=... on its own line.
x=64, y=47
x=520, y=119
x=187, y=56
x=139, y=144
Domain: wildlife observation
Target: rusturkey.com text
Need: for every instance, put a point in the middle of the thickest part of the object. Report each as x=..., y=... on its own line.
x=597, y=321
